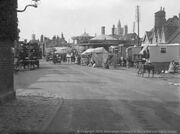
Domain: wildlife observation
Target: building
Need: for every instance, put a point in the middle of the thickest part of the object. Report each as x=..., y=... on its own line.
x=104, y=40
x=164, y=31
x=120, y=31
x=81, y=42
x=56, y=41
x=119, y=35
x=83, y=38
x=131, y=39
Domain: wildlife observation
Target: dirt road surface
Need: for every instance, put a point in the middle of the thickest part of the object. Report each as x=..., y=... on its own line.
x=106, y=100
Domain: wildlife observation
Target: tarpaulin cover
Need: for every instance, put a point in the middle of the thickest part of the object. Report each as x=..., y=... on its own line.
x=88, y=51
x=100, y=56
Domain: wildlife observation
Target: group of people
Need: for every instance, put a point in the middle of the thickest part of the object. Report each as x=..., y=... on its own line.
x=69, y=58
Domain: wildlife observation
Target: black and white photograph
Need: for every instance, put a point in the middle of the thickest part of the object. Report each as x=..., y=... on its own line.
x=89, y=67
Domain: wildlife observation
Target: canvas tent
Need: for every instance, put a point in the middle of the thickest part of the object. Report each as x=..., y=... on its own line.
x=88, y=51
x=100, y=56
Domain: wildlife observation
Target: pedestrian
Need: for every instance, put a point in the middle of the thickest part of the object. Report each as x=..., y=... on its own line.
x=68, y=57
x=171, y=67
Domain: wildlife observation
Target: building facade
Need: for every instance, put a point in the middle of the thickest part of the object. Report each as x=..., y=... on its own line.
x=164, y=31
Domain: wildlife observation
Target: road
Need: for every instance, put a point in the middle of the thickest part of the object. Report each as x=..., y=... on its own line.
x=106, y=100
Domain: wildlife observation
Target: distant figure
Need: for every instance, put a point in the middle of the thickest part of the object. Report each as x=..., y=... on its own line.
x=68, y=57
x=91, y=62
x=127, y=62
x=122, y=61
x=106, y=64
x=171, y=67
x=76, y=59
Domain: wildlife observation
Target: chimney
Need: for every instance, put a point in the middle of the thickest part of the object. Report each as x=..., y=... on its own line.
x=125, y=30
x=103, y=30
x=113, y=30
x=62, y=36
x=42, y=38
x=33, y=37
x=160, y=19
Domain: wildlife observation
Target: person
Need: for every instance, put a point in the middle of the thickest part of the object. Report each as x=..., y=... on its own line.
x=54, y=58
x=122, y=61
x=94, y=64
x=171, y=67
x=68, y=57
x=76, y=59
x=106, y=64
x=91, y=62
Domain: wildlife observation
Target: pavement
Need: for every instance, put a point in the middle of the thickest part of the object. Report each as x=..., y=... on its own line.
x=106, y=100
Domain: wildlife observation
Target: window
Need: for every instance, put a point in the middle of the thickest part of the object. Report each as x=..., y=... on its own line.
x=163, y=50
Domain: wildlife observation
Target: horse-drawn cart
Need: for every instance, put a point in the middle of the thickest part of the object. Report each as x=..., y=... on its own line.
x=27, y=56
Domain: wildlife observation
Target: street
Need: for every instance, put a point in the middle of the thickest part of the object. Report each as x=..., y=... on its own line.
x=97, y=99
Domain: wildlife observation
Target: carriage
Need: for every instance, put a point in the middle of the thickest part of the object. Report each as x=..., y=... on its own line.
x=27, y=56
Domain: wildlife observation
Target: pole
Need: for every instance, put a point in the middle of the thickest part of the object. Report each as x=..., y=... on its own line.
x=138, y=20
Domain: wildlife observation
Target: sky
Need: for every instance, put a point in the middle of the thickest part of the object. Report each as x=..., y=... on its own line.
x=74, y=17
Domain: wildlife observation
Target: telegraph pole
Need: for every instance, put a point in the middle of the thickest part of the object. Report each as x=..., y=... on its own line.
x=138, y=20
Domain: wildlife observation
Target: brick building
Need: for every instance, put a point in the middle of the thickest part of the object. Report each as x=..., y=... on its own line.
x=164, y=31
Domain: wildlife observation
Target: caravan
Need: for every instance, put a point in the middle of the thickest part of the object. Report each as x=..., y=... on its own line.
x=161, y=54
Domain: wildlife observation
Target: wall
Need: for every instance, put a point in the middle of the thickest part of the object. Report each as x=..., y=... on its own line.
x=8, y=35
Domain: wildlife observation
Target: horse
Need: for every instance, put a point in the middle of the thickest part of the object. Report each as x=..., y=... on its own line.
x=146, y=67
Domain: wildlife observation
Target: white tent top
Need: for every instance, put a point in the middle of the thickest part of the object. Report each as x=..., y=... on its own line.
x=88, y=51
x=113, y=47
x=94, y=50
x=100, y=50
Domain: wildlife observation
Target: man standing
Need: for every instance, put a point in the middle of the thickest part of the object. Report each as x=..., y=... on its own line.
x=68, y=57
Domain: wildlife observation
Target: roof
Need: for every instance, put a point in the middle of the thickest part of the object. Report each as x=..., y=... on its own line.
x=131, y=36
x=169, y=30
x=144, y=48
x=115, y=36
x=152, y=45
x=148, y=35
x=84, y=35
x=103, y=37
